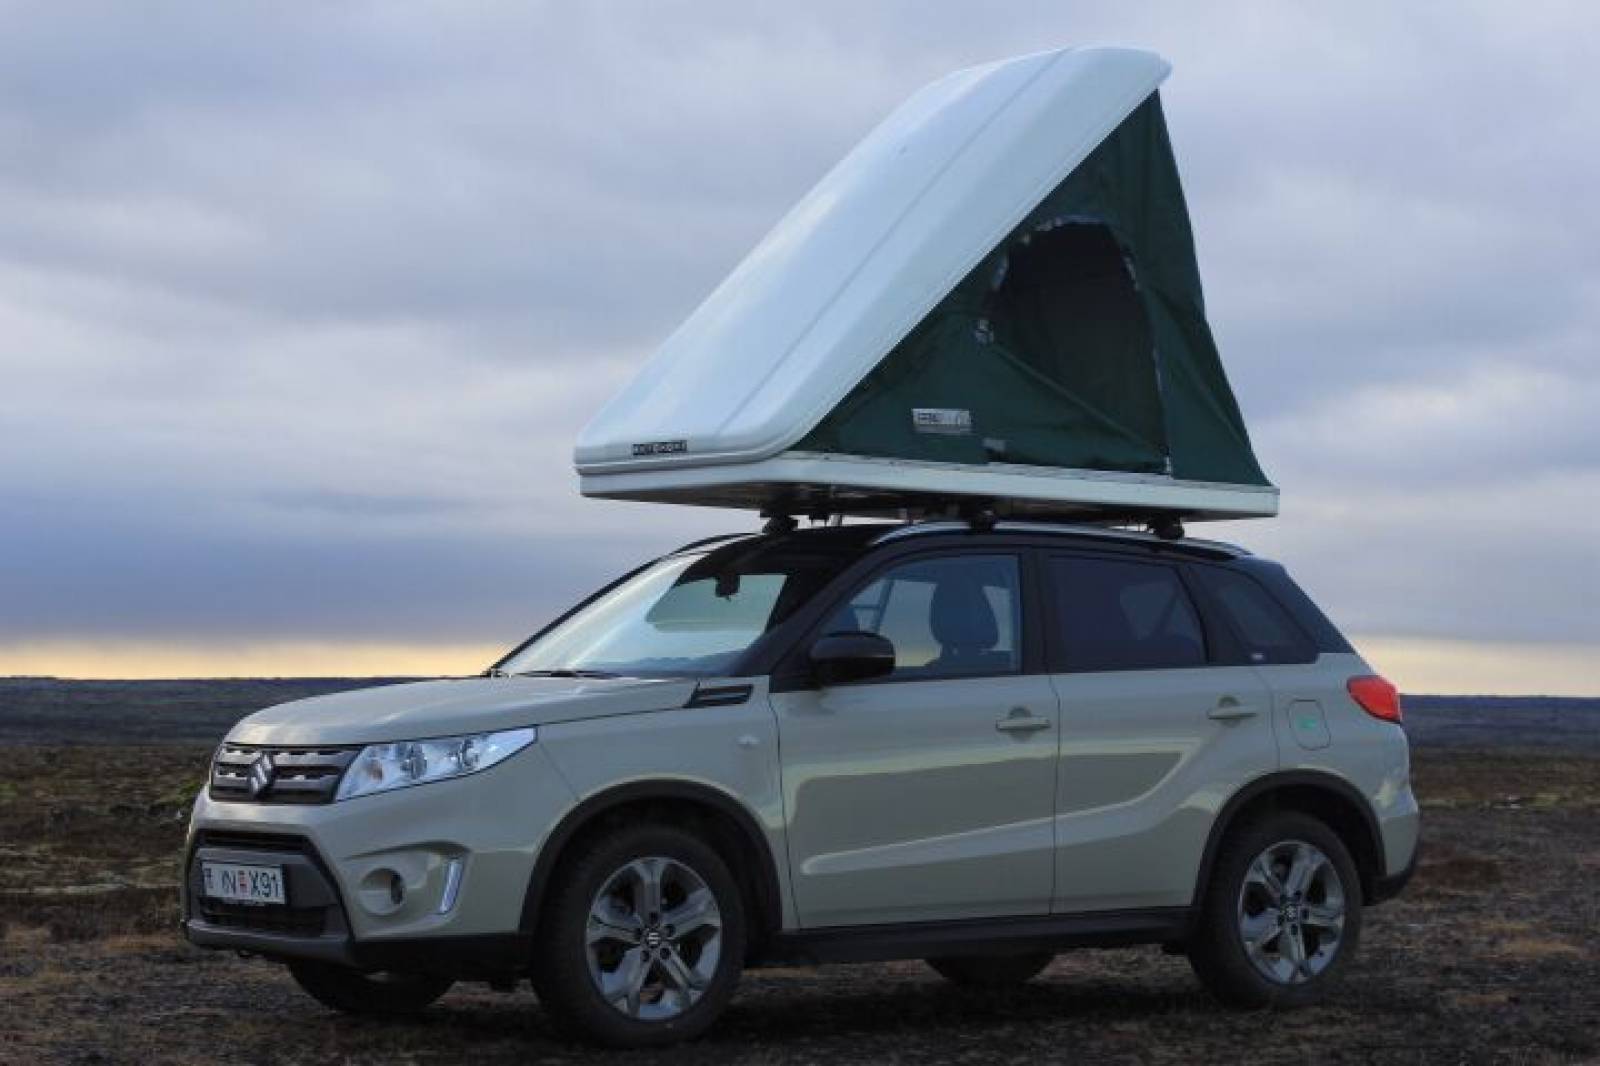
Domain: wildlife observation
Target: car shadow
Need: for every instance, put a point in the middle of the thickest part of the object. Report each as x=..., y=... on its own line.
x=931, y=1006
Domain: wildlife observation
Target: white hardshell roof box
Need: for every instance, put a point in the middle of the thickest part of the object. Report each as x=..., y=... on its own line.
x=846, y=274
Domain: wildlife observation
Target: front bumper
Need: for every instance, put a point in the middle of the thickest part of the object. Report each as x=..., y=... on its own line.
x=314, y=925
x=369, y=881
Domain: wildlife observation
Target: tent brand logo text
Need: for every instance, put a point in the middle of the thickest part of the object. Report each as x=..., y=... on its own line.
x=948, y=420
x=661, y=447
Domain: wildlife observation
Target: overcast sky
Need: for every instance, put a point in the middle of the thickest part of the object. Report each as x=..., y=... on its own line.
x=301, y=307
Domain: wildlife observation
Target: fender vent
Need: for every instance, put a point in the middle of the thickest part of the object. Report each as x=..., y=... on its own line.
x=720, y=695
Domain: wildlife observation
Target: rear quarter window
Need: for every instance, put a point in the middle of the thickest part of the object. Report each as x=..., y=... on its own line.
x=1264, y=628
x=1324, y=634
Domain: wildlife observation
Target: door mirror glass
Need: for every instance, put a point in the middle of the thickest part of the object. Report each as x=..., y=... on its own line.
x=851, y=656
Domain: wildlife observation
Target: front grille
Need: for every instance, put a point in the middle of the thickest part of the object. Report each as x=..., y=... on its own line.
x=250, y=840
x=298, y=774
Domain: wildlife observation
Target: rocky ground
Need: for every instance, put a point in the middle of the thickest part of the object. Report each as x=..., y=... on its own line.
x=1492, y=956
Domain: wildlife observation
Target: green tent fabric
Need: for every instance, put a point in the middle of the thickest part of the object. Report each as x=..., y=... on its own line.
x=1080, y=341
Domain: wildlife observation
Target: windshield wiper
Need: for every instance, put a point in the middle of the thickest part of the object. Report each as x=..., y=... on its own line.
x=565, y=672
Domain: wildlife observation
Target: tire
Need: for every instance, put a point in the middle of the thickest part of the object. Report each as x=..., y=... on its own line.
x=380, y=994
x=682, y=975
x=1241, y=902
x=990, y=971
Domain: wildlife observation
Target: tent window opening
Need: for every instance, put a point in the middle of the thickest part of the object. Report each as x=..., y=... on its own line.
x=1065, y=303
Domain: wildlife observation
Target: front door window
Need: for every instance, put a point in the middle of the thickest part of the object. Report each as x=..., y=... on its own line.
x=956, y=616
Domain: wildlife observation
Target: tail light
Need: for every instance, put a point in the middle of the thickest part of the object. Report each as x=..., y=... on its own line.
x=1376, y=696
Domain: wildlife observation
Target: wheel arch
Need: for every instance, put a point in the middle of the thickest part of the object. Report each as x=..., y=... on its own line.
x=733, y=830
x=1325, y=796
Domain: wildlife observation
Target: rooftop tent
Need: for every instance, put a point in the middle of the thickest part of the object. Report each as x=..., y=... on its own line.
x=994, y=296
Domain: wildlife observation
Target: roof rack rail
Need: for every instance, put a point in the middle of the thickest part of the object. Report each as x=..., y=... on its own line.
x=703, y=541
x=1071, y=529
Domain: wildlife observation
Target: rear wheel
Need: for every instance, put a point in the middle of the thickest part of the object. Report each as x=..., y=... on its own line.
x=644, y=938
x=990, y=971
x=1281, y=917
x=354, y=992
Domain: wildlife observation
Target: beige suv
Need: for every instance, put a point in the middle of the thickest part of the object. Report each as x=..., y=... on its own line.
x=977, y=744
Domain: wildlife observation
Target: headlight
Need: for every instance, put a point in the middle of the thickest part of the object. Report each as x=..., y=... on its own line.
x=381, y=767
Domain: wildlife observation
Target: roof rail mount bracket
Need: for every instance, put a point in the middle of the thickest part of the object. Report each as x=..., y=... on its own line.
x=778, y=523
x=980, y=516
x=1167, y=527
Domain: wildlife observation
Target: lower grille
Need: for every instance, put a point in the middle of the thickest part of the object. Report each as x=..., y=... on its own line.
x=251, y=773
x=257, y=919
x=313, y=908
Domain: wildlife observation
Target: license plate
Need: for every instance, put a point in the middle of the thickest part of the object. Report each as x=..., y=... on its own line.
x=243, y=884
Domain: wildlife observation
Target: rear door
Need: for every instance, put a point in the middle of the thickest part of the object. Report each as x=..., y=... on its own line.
x=928, y=794
x=1155, y=733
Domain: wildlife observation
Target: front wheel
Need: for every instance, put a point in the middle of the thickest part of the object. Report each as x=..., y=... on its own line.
x=354, y=992
x=1282, y=915
x=644, y=938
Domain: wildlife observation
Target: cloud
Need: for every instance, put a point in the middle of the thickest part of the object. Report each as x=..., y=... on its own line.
x=301, y=311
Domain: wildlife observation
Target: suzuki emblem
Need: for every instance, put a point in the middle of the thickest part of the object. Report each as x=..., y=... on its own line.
x=262, y=772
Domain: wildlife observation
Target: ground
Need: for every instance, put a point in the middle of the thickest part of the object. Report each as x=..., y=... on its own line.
x=1493, y=955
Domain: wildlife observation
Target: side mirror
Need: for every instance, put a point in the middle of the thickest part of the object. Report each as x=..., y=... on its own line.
x=854, y=656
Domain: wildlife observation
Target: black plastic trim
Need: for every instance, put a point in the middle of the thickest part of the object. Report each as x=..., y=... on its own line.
x=450, y=956
x=456, y=956
x=765, y=881
x=1289, y=779
x=985, y=936
x=510, y=953
x=1391, y=885
x=270, y=945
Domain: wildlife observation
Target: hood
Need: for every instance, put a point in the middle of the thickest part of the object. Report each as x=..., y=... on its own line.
x=445, y=708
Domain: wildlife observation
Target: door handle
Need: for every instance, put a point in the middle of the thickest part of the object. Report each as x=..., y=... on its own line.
x=1021, y=720
x=1229, y=709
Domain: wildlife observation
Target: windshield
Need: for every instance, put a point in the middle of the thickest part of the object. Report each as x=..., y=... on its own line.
x=687, y=615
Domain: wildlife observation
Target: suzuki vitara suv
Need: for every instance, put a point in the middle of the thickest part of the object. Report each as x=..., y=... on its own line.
x=980, y=745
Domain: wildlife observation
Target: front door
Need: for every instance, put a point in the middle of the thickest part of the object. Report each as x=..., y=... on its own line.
x=927, y=794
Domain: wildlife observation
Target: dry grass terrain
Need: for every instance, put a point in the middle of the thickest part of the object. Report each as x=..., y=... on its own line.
x=1492, y=956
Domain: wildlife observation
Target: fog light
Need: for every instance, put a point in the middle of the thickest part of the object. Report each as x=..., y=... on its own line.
x=397, y=889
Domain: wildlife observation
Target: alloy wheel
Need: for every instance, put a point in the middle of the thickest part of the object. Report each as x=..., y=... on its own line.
x=1291, y=912
x=654, y=938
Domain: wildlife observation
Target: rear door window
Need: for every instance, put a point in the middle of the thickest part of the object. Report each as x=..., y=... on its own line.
x=1261, y=625
x=1114, y=614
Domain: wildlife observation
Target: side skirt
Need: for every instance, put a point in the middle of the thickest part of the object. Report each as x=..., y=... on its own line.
x=987, y=936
